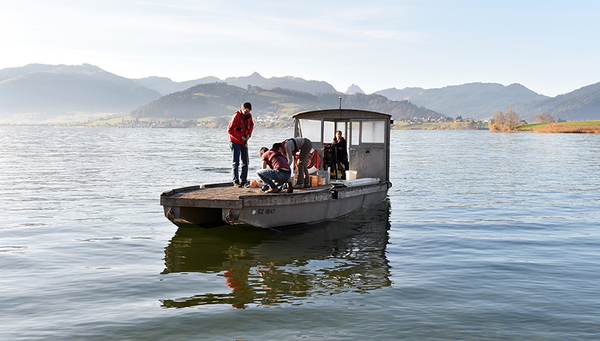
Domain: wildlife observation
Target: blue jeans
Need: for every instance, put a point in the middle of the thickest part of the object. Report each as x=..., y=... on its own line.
x=238, y=150
x=273, y=178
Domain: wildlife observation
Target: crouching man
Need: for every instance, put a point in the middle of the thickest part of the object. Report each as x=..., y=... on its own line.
x=280, y=170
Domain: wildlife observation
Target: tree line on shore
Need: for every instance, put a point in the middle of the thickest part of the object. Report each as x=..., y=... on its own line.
x=509, y=121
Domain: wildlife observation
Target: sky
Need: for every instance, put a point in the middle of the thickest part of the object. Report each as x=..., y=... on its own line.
x=548, y=46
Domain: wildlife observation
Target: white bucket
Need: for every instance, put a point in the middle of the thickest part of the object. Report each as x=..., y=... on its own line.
x=350, y=175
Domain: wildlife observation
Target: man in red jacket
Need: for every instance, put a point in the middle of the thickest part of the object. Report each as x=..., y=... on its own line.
x=240, y=130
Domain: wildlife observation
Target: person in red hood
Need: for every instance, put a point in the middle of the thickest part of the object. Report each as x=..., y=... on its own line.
x=240, y=129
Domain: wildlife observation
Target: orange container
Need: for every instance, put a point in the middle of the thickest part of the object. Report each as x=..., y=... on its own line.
x=315, y=180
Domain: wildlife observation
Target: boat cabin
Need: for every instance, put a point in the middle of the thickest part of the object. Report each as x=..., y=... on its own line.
x=367, y=137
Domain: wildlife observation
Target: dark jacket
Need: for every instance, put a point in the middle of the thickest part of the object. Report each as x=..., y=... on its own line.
x=340, y=149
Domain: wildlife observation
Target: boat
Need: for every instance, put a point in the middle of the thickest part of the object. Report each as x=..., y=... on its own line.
x=332, y=196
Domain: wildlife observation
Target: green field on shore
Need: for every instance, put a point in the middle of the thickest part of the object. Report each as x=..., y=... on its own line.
x=571, y=123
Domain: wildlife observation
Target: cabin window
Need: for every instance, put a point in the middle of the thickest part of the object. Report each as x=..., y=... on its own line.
x=328, y=131
x=355, y=133
x=311, y=129
x=373, y=132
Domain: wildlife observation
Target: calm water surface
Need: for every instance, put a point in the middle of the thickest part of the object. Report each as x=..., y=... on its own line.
x=484, y=236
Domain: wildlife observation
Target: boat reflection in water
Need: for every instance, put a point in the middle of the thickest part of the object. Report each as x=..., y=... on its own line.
x=263, y=268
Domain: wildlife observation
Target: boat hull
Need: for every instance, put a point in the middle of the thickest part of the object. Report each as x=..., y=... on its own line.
x=272, y=211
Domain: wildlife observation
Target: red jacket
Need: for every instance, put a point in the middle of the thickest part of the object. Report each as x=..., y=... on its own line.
x=240, y=125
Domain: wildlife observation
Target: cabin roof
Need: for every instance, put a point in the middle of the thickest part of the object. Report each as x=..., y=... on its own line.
x=340, y=114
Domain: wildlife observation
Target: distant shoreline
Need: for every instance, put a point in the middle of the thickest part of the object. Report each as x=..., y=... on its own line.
x=573, y=127
x=465, y=125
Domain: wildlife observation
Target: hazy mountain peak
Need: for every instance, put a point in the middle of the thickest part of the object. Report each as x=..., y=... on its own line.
x=155, y=78
x=86, y=68
x=254, y=79
x=166, y=86
x=354, y=89
x=286, y=82
x=400, y=94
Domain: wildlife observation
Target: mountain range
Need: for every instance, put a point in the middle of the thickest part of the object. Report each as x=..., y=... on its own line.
x=222, y=99
x=166, y=86
x=47, y=91
x=44, y=91
x=289, y=82
x=477, y=100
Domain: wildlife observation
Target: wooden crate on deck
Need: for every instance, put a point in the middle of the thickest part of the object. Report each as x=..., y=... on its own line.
x=315, y=180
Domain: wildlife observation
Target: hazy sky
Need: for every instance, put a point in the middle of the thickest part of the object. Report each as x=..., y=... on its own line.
x=549, y=46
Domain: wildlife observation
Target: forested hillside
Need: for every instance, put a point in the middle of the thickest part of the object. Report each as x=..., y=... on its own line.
x=579, y=105
x=220, y=99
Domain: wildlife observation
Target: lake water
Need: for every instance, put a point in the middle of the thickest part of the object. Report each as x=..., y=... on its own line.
x=484, y=236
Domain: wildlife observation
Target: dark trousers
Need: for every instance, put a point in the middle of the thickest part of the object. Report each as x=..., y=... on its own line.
x=303, y=155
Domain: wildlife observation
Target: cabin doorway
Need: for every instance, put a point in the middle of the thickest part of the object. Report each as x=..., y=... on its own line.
x=336, y=151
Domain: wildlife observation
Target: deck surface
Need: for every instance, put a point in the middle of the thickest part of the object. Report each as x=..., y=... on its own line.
x=231, y=193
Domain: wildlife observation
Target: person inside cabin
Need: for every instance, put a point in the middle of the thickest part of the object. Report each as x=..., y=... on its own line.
x=302, y=146
x=240, y=129
x=280, y=171
x=341, y=152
